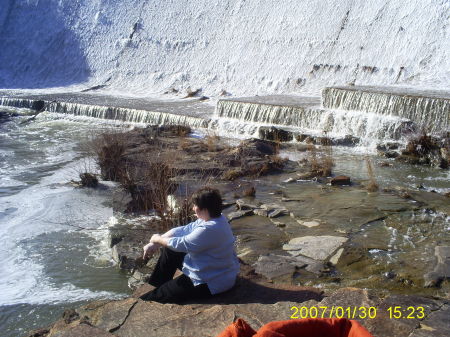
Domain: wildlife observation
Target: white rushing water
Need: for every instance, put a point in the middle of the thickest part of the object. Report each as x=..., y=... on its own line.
x=52, y=234
x=245, y=47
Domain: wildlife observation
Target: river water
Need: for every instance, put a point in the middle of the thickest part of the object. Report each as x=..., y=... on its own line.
x=52, y=234
x=53, y=248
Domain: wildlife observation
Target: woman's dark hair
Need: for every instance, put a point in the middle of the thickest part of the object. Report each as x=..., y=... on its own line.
x=210, y=199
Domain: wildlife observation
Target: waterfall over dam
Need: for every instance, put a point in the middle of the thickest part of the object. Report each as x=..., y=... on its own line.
x=371, y=114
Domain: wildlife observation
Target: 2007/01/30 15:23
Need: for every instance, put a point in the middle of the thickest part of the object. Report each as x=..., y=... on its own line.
x=396, y=312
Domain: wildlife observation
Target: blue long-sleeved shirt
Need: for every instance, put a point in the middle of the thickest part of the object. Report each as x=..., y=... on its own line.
x=210, y=254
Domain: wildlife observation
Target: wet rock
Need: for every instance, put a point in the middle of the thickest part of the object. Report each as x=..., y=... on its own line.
x=239, y=214
x=285, y=199
x=39, y=333
x=441, y=270
x=70, y=315
x=315, y=247
x=435, y=325
x=335, y=258
x=425, y=150
x=271, y=207
x=257, y=147
x=243, y=205
x=409, y=159
x=309, y=223
x=227, y=203
x=275, y=134
x=261, y=212
x=391, y=154
x=88, y=180
x=125, y=254
x=307, y=175
x=279, y=224
x=313, y=266
x=277, y=212
x=352, y=254
x=385, y=164
x=301, y=137
x=290, y=180
x=348, y=140
x=340, y=181
x=273, y=266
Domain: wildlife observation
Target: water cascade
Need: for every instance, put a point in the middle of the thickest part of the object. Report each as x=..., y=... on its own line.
x=127, y=115
x=375, y=117
x=429, y=110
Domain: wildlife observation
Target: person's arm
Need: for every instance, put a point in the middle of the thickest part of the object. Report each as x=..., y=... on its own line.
x=157, y=240
x=199, y=239
x=161, y=240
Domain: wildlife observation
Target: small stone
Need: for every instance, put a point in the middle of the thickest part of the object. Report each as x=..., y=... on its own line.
x=308, y=223
x=340, y=181
x=291, y=200
x=261, y=212
x=279, y=224
x=277, y=212
x=243, y=205
x=335, y=258
x=391, y=154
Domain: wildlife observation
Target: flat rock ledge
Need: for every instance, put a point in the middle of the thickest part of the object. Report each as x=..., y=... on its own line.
x=258, y=304
x=314, y=247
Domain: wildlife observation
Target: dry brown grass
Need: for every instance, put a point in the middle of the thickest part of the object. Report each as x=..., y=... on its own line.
x=372, y=186
x=232, y=174
x=212, y=141
x=110, y=150
x=249, y=192
x=321, y=166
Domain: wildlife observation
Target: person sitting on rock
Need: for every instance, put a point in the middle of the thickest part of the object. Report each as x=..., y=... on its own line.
x=203, y=250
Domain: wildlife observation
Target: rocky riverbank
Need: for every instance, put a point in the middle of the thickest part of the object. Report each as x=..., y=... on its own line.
x=306, y=238
x=258, y=302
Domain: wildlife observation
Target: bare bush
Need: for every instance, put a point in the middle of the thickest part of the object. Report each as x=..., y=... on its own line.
x=110, y=150
x=212, y=141
x=321, y=166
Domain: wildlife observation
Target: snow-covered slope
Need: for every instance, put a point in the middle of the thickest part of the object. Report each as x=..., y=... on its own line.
x=242, y=46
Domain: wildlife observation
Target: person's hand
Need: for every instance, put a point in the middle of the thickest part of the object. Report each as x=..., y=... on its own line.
x=150, y=249
x=155, y=238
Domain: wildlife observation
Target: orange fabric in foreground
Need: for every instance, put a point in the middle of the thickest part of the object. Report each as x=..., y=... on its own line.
x=307, y=327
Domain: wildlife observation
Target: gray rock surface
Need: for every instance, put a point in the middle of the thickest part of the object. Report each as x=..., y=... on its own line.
x=273, y=266
x=258, y=304
x=315, y=247
x=243, y=205
x=238, y=214
x=83, y=330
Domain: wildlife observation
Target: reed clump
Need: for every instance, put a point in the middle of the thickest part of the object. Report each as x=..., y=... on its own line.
x=321, y=166
x=372, y=185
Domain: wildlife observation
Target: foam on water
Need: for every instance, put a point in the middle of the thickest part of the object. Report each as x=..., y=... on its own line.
x=41, y=159
x=49, y=206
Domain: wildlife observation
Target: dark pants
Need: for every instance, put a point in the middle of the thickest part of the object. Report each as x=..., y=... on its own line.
x=168, y=289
